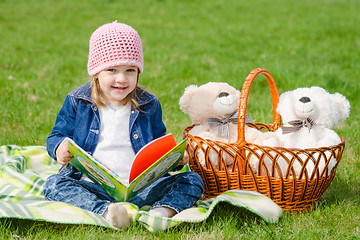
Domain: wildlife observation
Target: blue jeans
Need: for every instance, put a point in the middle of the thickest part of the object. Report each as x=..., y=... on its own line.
x=178, y=192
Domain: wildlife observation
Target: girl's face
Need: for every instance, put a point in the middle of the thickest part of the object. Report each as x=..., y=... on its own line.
x=116, y=83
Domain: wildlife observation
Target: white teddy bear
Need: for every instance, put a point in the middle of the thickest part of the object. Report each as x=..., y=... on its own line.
x=213, y=109
x=308, y=116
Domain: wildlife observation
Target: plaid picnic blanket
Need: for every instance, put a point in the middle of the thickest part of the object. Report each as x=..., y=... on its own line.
x=23, y=171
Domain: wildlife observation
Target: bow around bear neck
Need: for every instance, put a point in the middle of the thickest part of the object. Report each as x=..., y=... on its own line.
x=298, y=124
x=223, y=123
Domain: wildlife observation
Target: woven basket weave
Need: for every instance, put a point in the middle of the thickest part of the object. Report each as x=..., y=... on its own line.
x=261, y=168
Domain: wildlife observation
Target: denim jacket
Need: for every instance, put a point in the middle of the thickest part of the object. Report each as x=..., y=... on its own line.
x=79, y=120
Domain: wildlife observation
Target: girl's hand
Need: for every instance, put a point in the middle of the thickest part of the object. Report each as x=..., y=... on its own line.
x=62, y=153
x=185, y=159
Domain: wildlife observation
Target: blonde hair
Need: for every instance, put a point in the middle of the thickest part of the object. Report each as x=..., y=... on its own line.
x=98, y=100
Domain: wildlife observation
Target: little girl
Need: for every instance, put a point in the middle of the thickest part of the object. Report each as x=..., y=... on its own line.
x=112, y=119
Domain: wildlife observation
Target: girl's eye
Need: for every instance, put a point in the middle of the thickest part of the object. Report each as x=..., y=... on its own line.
x=130, y=70
x=110, y=70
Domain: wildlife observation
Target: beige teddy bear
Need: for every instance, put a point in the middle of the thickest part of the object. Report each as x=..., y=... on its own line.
x=213, y=109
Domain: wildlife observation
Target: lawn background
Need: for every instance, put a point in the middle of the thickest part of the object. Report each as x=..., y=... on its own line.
x=43, y=56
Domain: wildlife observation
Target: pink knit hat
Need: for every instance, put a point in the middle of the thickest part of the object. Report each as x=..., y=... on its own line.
x=114, y=44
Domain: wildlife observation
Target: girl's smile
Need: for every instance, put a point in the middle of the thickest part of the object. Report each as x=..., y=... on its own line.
x=119, y=89
x=116, y=83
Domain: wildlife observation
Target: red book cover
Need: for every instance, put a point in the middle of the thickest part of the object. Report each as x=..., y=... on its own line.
x=150, y=153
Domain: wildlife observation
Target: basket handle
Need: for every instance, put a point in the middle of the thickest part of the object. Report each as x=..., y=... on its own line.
x=244, y=97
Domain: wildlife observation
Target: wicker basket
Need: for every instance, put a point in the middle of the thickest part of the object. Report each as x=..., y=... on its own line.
x=260, y=168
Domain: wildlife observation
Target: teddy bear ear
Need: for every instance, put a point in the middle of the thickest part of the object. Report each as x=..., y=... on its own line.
x=238, y=94
x=185, y=100
x=343, y=105
x=283, y=102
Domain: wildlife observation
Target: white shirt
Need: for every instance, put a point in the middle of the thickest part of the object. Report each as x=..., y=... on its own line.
x=114, y=148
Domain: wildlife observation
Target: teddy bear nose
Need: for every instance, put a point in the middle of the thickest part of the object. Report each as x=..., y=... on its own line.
x=304, y=99
x=223, y=94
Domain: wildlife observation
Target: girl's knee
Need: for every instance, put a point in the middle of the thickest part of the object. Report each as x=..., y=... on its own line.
x=51, y=184
x=194, y=179
x=53, y=180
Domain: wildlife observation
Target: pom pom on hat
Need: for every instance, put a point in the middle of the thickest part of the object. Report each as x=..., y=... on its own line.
x=114, y=44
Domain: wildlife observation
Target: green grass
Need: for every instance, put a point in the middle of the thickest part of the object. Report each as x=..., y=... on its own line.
x=43, y=56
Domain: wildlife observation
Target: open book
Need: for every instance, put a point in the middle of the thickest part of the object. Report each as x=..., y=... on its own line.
x=153, y=161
